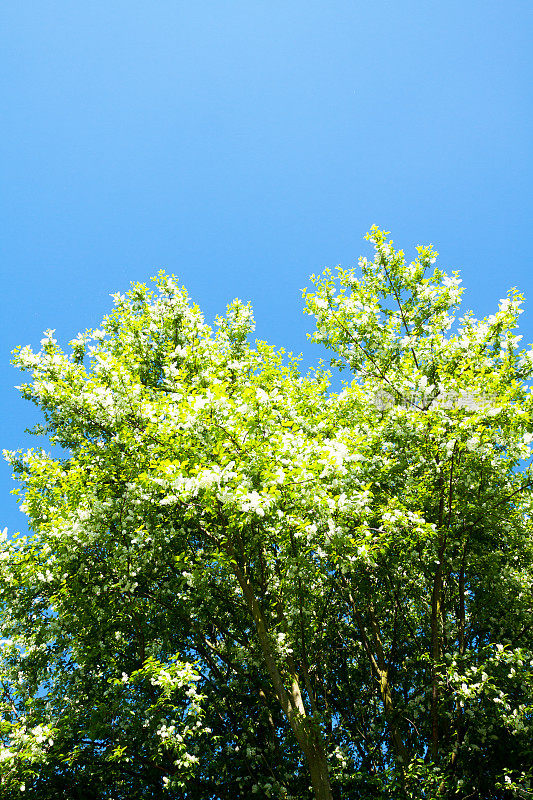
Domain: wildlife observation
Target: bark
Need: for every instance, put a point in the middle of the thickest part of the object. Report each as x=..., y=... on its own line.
x=385, y=688
x=436, y=611
x=462, y=610
x=291, y=701
x=319, y=774
x=436, y=615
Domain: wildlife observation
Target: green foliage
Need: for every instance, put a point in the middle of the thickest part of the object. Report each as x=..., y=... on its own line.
x=241, y=583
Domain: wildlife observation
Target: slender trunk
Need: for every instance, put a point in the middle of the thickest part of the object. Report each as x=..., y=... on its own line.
x=459, y=723
x=319, y=774
x=291, y=701
x=436, y=611
x=436, y=616
x=462, y=610
x=386, y=695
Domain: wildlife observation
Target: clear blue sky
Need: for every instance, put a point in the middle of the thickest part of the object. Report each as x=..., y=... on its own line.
x=244, y=145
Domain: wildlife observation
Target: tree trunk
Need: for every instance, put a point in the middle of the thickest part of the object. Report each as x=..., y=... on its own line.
x=291, y=701
x=318, y=768
x=436, y=618
x=436, y=653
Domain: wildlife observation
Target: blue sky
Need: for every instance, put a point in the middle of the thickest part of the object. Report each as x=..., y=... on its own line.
x=244, y=145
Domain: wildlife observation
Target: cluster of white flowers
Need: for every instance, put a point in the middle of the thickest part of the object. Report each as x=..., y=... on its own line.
x=255, y=503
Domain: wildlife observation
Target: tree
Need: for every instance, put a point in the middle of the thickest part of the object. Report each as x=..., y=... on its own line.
x=243, y=583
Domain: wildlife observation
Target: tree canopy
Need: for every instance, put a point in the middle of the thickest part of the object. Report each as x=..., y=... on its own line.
x=240, y=582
